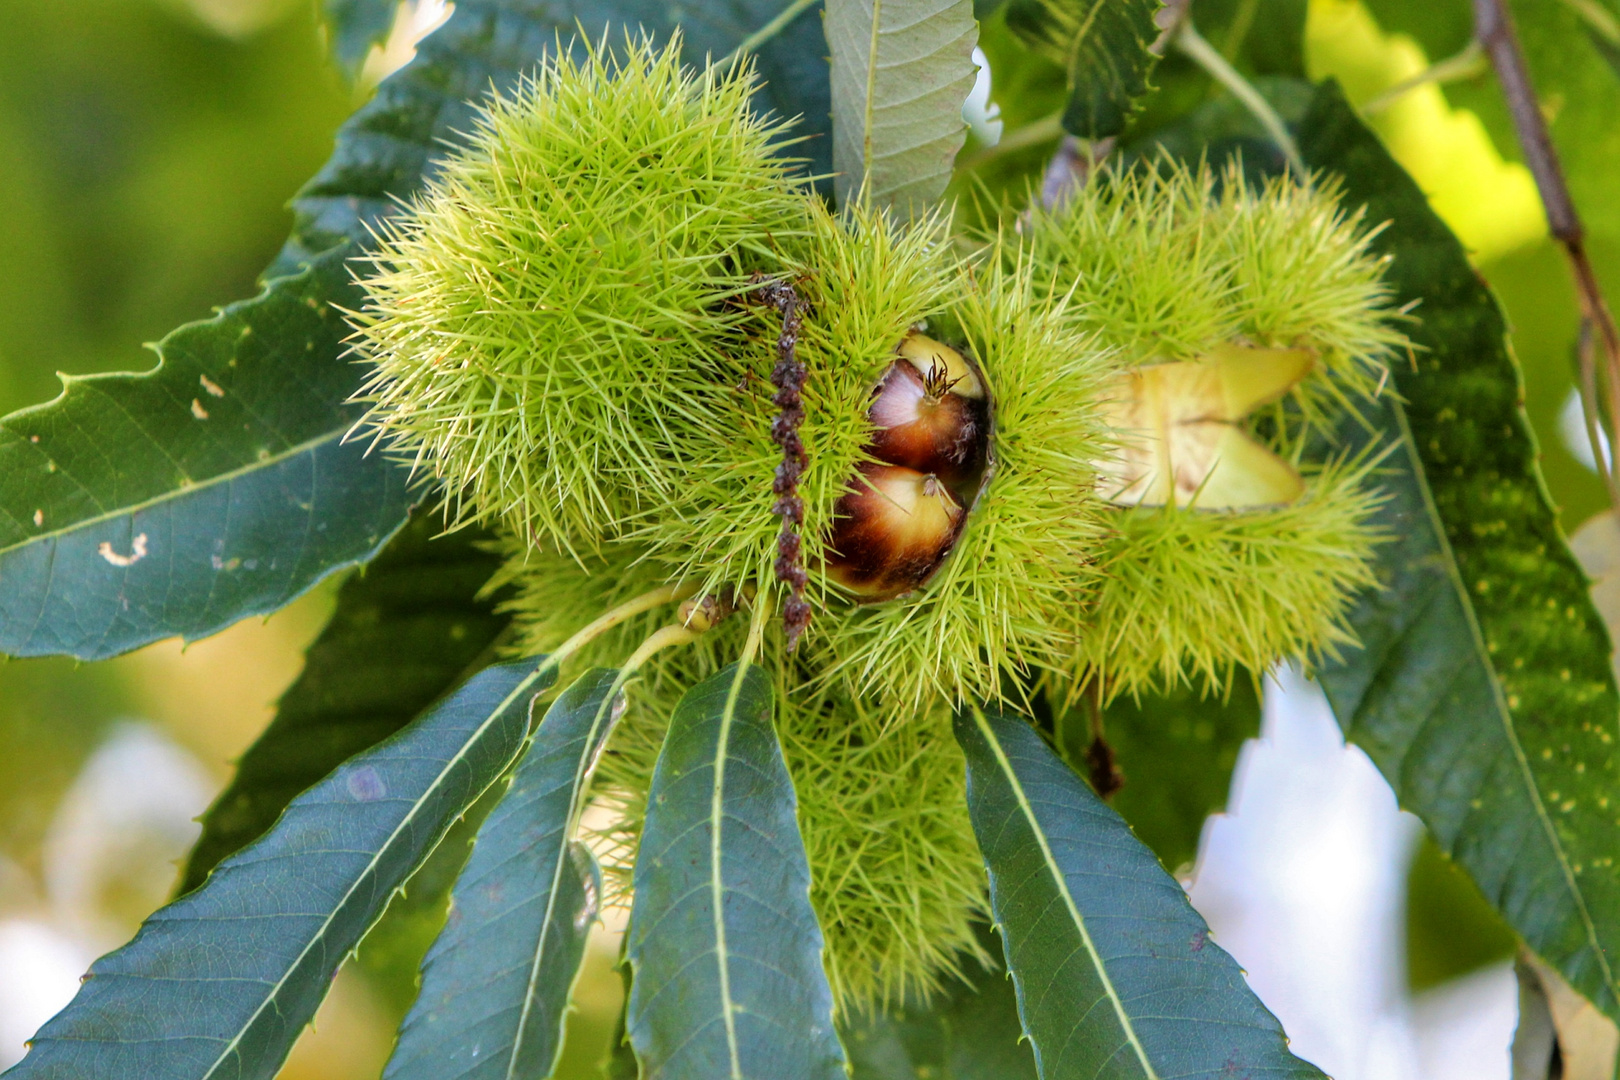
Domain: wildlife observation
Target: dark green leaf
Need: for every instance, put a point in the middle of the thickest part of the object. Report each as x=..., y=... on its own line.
x=405, y=631
x=901, y=70
x=1176, y=753
x=968, y=1031
x=354, y=26
x=1483, y=690
x=136, y=507
x=1102, y=47
x=219, y=983
x=1224, y=129
x=724, y=946
x=391, y=954
x=495, y=985
x=1115, y=971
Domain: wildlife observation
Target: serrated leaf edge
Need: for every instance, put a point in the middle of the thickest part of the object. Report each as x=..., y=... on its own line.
x=1028, y=811
x=595, y=740
x=273, y=994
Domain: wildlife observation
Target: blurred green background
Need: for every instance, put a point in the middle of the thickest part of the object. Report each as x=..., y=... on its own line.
x=147, y=150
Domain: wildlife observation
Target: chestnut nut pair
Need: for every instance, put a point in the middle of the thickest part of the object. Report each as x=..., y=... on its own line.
x=903, y=512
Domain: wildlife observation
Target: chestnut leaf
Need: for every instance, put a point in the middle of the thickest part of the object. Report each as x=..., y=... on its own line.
x=724, y=946
x=1116, y=973
x=1483, y=689
x=901, y=70
x=222, y=981
x=496, y=983
x=405, y=632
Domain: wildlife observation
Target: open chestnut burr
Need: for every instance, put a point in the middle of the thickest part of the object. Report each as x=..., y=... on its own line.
x=904, y=511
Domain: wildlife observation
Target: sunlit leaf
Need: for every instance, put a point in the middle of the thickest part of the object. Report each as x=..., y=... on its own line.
x=220, y=982
x=1483, y=690
x=724, y=946
x=1115, y=971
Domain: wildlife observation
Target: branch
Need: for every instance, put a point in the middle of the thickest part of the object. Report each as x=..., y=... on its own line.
x=1493, y=27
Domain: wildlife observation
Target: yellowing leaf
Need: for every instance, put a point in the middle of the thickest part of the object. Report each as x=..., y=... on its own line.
x=1180, y=439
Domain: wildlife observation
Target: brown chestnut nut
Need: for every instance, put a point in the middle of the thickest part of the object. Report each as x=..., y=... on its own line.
x=892, y=530
x=930, y=412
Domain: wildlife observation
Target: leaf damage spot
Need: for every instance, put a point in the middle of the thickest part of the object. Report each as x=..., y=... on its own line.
x=197, y=410
x=365, y=784
x=136, y=554
x=213, y=388
x=39, y=519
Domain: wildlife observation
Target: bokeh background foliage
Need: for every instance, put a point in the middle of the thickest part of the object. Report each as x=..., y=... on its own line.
x=147, y=149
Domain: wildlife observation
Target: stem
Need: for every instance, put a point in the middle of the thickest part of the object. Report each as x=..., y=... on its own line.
x=1493, y=26
x=611, y=708
x=1033, y=133
x=1206, y=56
x=769, y=30
x=1465, y=65
x=664, y=594
x=763, y=605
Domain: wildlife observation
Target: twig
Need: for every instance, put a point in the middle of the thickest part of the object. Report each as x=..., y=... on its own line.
x=1206, y=56
x=1464, y=65
x=788, y=378
x=769, y=30
x=1493, y=27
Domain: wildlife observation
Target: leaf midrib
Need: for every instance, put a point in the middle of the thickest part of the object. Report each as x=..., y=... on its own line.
x=178, y=492
x=716, y=884
x=280, y=983
x=1063, y=890
x=581, y=768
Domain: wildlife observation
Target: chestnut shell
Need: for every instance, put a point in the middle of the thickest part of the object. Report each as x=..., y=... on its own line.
x=903, y=513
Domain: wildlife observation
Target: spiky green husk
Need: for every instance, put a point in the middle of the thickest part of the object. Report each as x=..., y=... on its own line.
x=1189, y=595
x=897, y=877
x=1166, y=263
x=562, y=334
x=1163, y=265
x=1008, y=600
x=548, y=319
x=864, y=280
